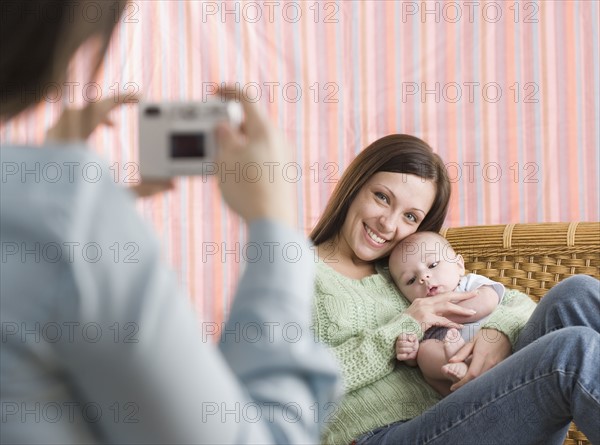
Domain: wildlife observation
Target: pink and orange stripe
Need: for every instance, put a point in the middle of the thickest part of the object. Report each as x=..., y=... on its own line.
x=363, y=70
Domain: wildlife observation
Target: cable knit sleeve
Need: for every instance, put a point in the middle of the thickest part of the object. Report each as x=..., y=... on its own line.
x=511, y=315
x=360, y=320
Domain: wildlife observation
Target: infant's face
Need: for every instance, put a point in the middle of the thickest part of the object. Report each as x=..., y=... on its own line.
x=424, y=266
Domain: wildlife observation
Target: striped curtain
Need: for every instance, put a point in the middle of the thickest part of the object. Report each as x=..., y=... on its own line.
x=507, y=92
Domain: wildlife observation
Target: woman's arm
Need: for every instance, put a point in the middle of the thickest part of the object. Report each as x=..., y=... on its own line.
x=511, y=314
x=368, y=354
x=269, y=382
x=160, y=366
x=485, y=301
x=365, y=356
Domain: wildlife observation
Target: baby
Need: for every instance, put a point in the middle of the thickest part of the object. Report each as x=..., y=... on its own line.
x=423, y=265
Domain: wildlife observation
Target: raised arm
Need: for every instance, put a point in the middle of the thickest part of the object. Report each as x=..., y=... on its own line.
x=266, y=382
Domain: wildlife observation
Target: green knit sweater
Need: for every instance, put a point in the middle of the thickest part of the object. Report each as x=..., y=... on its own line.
x=360, y=320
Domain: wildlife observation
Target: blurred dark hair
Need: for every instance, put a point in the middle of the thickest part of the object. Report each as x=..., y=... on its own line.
x=38, y=40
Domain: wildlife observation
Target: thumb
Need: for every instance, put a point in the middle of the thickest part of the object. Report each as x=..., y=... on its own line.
x=229, y=146
x=226, y=138
x=463, y=353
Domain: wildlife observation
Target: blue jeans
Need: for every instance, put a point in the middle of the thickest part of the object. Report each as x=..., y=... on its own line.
x=533, y=395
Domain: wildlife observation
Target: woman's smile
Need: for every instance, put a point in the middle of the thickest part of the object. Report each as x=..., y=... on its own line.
x=376, y=240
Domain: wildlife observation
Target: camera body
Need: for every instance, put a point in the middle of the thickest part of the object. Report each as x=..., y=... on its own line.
x=178, y=139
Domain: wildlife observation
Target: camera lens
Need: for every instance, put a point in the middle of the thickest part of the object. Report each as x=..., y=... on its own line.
x=187, y=145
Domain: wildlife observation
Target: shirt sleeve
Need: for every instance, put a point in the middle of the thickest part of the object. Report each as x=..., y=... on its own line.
x=473, y=281
x=368, y=355
x=266, y=382
x=286, y=371
x=511, y=315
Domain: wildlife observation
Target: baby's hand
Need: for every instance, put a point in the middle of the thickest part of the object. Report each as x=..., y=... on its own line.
x=407, y=346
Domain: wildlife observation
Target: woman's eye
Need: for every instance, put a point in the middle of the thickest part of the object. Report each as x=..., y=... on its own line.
x=435, y=263
x=382, y=197
x=411, y=281
x=411, y=217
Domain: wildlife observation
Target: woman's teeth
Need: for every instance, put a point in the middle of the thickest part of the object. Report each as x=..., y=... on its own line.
x=374, y=237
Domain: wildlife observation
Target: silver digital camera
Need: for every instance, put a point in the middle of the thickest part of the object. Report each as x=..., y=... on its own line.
x=177, y=138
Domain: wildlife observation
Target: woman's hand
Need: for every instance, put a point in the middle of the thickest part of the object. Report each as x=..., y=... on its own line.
x=76, y=124
x=256, y=147
x=433, y=311
x=488, y=348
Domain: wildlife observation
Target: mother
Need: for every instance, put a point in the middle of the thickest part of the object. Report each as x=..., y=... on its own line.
x=395, y=187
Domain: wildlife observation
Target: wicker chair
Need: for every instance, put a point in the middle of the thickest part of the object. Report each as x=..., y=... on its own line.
x=531, y=258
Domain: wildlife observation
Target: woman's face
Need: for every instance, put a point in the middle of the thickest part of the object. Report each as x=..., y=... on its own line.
x=388, y=208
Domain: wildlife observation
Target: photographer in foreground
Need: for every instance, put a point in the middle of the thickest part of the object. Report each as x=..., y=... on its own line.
x=99, y=350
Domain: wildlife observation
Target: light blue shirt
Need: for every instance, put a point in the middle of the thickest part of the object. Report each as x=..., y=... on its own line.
x=99, y=345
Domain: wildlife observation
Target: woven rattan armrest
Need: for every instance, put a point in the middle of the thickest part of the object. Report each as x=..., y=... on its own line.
x=531, y=258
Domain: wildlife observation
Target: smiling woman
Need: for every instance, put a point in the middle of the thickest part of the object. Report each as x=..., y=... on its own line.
x=389, y=207
x=385, y=195
x=397, y=186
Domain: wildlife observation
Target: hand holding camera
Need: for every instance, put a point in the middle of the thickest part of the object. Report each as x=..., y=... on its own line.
x=192, y=139
x=200, y=138
x=256, y=141
x=76, y=124
x=178, y=138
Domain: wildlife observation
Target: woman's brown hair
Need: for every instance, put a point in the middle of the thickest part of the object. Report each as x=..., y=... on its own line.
x=396, y=153
x=38, y=40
